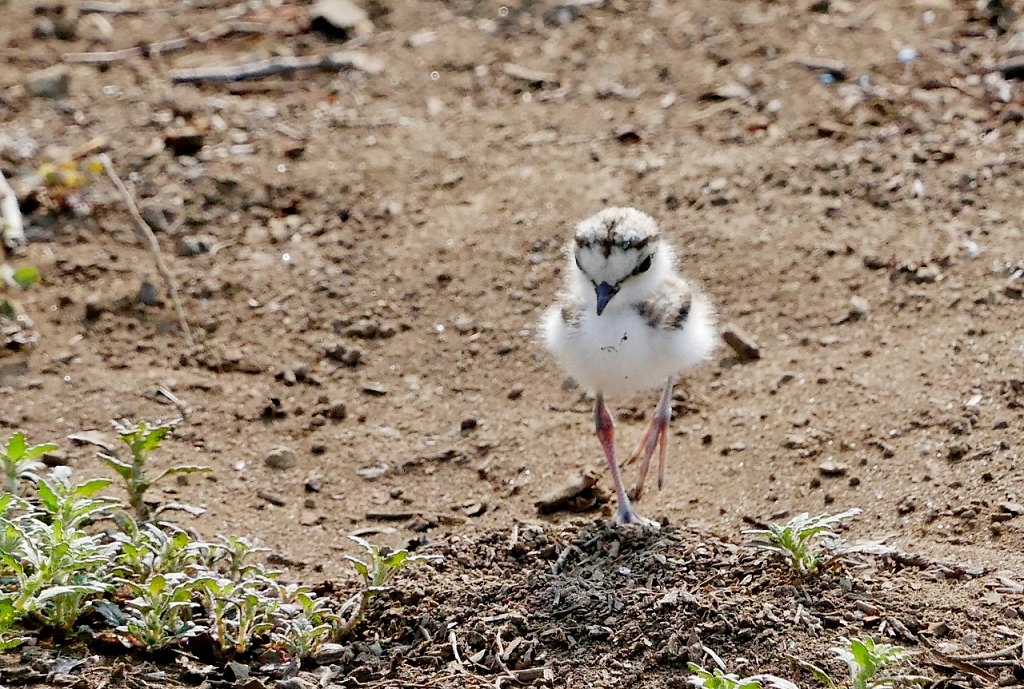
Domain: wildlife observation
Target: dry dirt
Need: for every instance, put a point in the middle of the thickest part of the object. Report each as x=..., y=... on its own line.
x=414, y=214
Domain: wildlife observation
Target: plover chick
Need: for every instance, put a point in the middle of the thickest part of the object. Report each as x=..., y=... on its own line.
x=626, y=322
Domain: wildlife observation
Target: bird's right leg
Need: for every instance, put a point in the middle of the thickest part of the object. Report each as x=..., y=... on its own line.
x=605, y=428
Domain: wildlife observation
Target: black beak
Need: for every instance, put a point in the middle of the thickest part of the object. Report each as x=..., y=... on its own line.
x=605, y=292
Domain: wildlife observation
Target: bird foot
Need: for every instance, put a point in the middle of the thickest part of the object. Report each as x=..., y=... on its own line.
x=629, y=518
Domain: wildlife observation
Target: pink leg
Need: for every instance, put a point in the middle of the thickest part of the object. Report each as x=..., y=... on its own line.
x=655, y=437
x=606, y=434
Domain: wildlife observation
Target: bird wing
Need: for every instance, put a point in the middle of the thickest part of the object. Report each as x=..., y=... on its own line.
x=668, y=306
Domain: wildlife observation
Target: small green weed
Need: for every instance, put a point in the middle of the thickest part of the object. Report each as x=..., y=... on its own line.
x=806, y=542
x=16, y=326
x=237, y=553
x=376, y=571
x=21, y=277
x=21, y=462
x=73, y=505
x=56, y=568
x=304, y=622
x=63, y=183
x=866, y=661
x=239, y=611
x=142, y=439
x=147, y=550
x=720, y=679
x=9, y=638
x=159, y=615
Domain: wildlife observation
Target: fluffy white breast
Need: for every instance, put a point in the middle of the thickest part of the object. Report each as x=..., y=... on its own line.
x=619, y=352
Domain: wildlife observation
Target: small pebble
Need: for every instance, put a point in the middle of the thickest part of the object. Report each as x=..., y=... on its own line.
x=148, y=294
x=375, y=389
x=364, y=329
x=272, y=498
x=240, y=671
x=873, y=262
x=832, y=468
x=337, y=411
x=464, y=325
x=280, y=458
x=53, y=82
x=1012, y=508
x=907, y=55
x=562, y=15
x=742, y=343
x=293, y=683
x=329, y=653
x=187, y=247
x=44, y=28
x=859, y=307
x=185, y=141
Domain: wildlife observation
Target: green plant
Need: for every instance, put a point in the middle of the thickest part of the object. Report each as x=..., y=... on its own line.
x=719, y=679
x=142, y=439
x=376, y=571
x=152, y=584
x=238, y=611
x=21, y=277
x=148, y=549
x=72, y=505
x=21, y=461
x=158, y=616
x=866, y=660
x=803, y=540
x=302, y=621
x=55, y=568
x=9, y=637
x=236, y=552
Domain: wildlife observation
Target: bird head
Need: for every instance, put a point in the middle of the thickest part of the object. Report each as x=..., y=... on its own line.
x=616, y=257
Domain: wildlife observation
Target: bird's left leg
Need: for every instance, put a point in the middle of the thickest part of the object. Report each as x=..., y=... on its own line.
x=655, y=437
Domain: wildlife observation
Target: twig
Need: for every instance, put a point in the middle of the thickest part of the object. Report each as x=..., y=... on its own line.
x=13, y=230
x=98, y=144
x=371, y=122
x=102, y=7
x=921, y=561
x=149, y=239
x=181, y=405
x=171, y=45
x=1015, y=647
x=453, y=640
x=513, y=538
x=940, y=659
x=275, y=65
x=563, y=557
x=124, y=8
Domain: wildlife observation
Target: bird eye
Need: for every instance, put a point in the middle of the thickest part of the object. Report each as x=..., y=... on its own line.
x=645, y=266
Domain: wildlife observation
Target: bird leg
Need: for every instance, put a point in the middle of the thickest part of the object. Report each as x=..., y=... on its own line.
x=655, y=437
x=605, y=428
